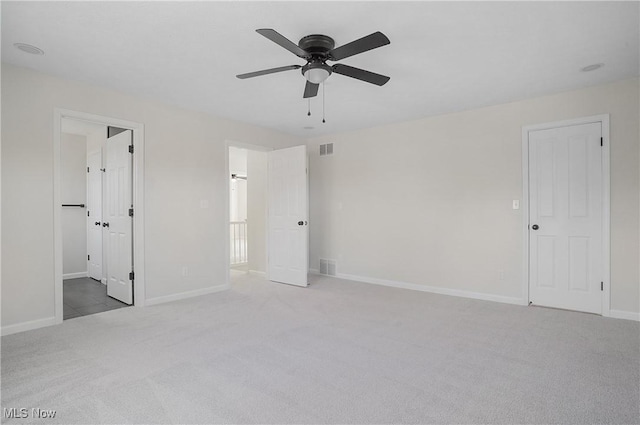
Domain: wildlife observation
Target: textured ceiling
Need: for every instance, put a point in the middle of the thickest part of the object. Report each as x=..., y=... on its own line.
x=443, y=57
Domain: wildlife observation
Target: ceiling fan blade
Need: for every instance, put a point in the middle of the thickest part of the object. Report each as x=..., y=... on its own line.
x=369, y=42
x=281, y=40
x=267, y=71
x=360, y=74
x=310, y=90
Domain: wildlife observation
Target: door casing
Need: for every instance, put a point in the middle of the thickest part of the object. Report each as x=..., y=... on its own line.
x=138, y=202
x=606, y=202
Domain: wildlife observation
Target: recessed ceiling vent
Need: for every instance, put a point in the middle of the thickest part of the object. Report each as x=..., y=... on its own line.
x=28, y=48
x=328, y=267
x=326, y=149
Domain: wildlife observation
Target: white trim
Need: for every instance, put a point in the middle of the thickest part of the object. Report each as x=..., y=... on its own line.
x=138, y=201
x=432, y=289
x=184, y=295
x=74, y=275
x=28, y=326
x=258, y=273
x=315, y=272
x=606, y=201
x=626, y=315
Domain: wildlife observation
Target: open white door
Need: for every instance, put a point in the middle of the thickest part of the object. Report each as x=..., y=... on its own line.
x=94, y=216
x=566, y=218
x=118, y=224
x=288, y=216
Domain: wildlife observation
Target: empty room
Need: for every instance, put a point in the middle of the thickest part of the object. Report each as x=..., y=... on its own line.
x=307, y=212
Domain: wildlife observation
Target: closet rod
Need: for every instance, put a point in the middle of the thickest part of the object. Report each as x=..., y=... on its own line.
x=73, y=205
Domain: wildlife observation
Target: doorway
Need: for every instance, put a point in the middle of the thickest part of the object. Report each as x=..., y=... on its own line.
x=566, y=179
x=277, y=212
x=97, y=195
x=247, y=209
x=81, y=157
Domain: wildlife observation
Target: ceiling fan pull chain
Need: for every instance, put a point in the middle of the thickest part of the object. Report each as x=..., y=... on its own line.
x=309, y=110
x=323, y=121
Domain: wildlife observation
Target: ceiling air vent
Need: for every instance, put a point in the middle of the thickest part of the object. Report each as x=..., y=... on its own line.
x=326, y=149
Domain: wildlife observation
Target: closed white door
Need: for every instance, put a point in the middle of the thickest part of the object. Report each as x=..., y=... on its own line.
x=118, y=224
x=288, y=216
x=94, y=216
x=565, y=228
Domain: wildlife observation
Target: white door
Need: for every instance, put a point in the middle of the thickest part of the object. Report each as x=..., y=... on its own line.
x=565, y=228
x=94, y=216
x=288, y=216
x=118, y=225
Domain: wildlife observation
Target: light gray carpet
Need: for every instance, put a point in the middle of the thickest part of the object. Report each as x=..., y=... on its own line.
x=336, y=352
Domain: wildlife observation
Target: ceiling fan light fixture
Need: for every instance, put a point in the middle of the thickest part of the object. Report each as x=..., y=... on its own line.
x=316, y=72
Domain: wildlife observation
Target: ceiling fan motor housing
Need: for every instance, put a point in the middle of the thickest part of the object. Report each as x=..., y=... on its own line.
x=317, y=45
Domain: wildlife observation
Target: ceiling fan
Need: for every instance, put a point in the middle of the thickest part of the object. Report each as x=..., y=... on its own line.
x=317, y=49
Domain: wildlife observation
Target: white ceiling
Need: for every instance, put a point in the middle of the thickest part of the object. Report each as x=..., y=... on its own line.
x=443, y=56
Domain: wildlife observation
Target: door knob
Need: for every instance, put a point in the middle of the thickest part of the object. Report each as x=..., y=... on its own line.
x=300, y=223
x=97, y=223
x=535, y=227
x=105, y=224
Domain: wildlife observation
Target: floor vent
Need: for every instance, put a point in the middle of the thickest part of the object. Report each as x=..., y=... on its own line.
x=326, y=149
x=328, y=267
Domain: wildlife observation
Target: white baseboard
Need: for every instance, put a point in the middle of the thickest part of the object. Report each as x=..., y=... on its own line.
x=104, y=281
x=627, y=315
x=183, y=295
x=28, y=326
x=432, y=289
x=74, y=275
x=315, y=271
x=258, y=273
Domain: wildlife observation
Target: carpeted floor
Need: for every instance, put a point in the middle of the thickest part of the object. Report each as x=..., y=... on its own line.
x=336, y=352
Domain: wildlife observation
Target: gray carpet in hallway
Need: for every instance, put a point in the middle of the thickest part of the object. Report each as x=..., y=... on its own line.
x=336, y=352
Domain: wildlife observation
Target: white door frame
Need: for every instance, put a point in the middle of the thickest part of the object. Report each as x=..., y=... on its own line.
x=138, y=201
x=606, y=202
x=227, y=250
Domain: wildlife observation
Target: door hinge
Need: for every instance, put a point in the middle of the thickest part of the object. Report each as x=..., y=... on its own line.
x=87, y=169
x=130, y=148
x=103, y=170
x=131, y=275
x=88, y=213
x=602, y=286
x=88, y=257
x=130, y=212
x=602, y=141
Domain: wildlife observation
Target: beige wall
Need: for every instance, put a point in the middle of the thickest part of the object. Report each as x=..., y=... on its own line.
x=425, y=202
x=73, y=190
x=428, y=202
x=184, y=164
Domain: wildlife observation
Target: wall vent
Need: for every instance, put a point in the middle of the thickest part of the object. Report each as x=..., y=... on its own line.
x=328, y=267
x=326, y=149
